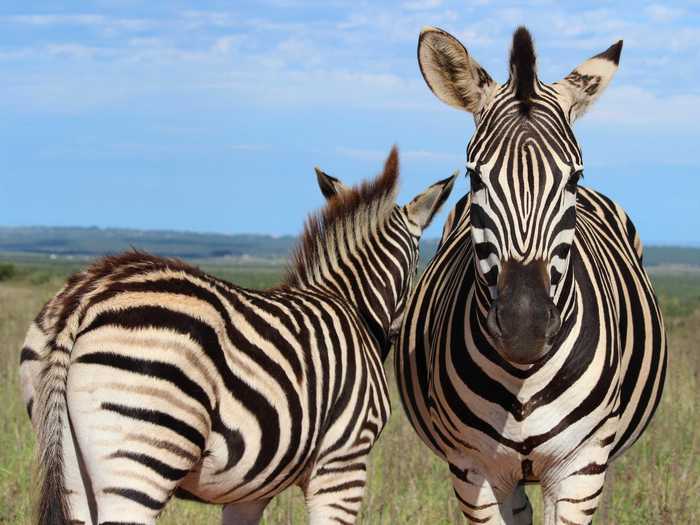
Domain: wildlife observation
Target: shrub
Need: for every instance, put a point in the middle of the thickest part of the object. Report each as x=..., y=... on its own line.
x=7, y=271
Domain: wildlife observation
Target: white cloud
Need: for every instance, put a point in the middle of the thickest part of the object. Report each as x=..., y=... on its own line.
x=50, y=20
x=250, y=147
x=419, y=155
x=421, y=5
x=225, y=44
x=73, y=51
x=634, y=106
x=663, y=13
x=110, y=26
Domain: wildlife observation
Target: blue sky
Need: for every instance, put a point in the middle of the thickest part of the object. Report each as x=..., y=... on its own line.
x=210, y=115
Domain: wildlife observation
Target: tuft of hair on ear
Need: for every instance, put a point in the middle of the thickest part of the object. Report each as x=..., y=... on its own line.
x=612, y=53
x=523, y=66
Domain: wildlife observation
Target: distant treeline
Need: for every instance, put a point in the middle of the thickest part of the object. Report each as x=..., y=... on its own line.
x=92, y=242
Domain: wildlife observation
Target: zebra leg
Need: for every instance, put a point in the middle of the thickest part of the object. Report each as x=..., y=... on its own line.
x=335, y=489
x=248, y=513
x=574, y=499
x=572, y=495
x=480, y=502
x=520, y=503
x=135, y=449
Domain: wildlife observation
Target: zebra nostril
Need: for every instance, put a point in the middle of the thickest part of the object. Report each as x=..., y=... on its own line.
x=553, y=322
x=492, y=321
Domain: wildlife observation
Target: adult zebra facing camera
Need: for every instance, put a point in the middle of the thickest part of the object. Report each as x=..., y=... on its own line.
x=533, y=349
x=144, y=375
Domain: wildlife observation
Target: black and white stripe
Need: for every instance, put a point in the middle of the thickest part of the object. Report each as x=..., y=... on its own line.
x=167, y=379
x=533, y=349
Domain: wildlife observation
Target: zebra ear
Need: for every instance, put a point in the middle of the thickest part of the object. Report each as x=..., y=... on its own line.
x=330, y=186
x=583, y=85
x=423, y=208
x=455, y=77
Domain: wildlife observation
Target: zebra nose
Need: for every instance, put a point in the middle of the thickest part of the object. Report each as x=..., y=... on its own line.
x=514, y=318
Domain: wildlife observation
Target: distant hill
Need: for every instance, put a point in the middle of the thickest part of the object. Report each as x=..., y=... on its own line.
x=92, y=242
x=99, y=241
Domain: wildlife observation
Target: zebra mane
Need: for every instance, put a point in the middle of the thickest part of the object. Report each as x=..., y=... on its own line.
x=349, y=215
x=523, y=67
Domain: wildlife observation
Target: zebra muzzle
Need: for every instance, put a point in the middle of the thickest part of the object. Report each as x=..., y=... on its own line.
x=523, y=320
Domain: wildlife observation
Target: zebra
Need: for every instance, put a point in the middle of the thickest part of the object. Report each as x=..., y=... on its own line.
x=145, y=376
x=533, y=349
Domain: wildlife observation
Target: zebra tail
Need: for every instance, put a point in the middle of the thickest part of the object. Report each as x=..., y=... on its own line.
x=53, y=506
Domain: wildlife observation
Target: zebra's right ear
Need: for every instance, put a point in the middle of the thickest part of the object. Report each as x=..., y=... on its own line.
x=330, y=186
x=423, y=208
x=454, y=76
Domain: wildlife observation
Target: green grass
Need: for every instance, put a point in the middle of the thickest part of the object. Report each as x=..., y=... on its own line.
x=655, y=482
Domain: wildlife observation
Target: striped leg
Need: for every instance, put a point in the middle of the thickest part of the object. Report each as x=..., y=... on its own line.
x=574, y=502
x=572, y=498
x=249, y=513
x=481, y=504
x=135, y=450
x=520, y=503
x=575, y=499
x=335, y=490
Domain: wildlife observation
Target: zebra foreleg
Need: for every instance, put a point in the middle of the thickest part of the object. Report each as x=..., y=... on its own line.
x=575, y=499
x=520, y=503
x=249, y=513
x=481, y=503
x=335, y=490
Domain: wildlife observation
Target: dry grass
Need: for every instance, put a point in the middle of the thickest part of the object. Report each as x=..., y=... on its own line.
x=657, y=481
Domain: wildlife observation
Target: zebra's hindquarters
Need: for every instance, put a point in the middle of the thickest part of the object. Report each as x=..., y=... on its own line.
x=138, y=435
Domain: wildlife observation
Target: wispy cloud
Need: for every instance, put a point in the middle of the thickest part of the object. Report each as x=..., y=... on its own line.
x=663, y=13
x=249, y=147
x=635, y=106
x=419, y=155
x=422, y=5
x=362, y=57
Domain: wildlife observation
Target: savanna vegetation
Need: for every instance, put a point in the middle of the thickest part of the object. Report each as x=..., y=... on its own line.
x=656, y=482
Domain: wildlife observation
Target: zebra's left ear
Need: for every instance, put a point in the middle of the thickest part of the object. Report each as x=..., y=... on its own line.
x=330, y=186
x=583, y=85
x=423, y=208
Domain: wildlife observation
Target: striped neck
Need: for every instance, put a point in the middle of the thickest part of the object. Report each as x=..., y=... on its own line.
x=359, y=249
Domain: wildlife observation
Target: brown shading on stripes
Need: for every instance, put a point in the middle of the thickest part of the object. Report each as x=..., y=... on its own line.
x=158, y=393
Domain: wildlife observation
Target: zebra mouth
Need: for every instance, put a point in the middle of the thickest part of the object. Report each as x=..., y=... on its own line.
x=523, y=319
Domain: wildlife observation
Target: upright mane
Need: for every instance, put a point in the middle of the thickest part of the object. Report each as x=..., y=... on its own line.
x=351, y=214
x=523, y=67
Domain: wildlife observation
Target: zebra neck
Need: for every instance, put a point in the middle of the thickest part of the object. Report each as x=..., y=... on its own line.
x=356, y=295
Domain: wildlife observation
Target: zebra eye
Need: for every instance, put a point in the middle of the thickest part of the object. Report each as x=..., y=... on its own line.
x=573, y=180
x=475, y=180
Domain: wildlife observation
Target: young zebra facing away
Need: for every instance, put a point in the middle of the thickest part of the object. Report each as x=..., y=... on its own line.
x=153, y=377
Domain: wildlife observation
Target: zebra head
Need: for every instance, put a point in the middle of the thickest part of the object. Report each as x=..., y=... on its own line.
x=524, y=165
x=395, y=245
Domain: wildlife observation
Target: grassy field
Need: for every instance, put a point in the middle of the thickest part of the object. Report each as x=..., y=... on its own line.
x=656, y=482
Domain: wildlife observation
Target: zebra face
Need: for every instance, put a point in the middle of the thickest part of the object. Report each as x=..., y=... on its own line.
x=524, y=164
x=523, y=202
